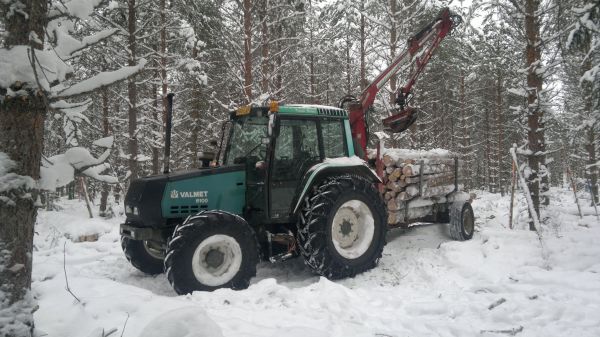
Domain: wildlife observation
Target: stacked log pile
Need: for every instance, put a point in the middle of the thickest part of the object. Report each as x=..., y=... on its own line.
x=416, y=183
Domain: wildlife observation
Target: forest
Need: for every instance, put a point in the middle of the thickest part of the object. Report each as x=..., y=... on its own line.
x=513, y=90
x=216, y=56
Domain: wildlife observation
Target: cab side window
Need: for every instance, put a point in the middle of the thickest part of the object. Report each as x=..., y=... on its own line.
x=333, y=138
x=297, y=146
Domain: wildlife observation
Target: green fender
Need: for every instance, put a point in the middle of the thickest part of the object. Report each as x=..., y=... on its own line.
x=344, y=165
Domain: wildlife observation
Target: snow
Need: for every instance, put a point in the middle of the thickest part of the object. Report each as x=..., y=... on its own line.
x=10, y=181
x=396, y=154
x=67, y=45
x=106, y=142
x=15, y=66
x=182, y=322
x=81, y=8
x=316, y=106
x=345, y=161
x=102, y=79
x=425, y=284
x=59, y=170
x=518, y=92
x=14, y=318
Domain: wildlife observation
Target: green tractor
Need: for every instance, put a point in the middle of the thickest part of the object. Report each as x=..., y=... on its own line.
x=289, y=184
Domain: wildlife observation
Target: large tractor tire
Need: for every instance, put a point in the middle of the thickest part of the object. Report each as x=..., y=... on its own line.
x=342, y=227
x=462, y=221
x=211, y=250
x=146, y=256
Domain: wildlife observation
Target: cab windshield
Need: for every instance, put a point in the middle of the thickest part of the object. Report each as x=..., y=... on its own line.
x=245, y=140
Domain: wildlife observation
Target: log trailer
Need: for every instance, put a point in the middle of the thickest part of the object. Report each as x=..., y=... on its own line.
x=289, y=180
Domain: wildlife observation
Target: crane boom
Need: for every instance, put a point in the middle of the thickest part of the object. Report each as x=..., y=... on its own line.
x=420, y=48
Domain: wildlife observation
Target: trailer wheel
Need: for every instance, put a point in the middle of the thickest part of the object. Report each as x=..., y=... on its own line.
x=342, y=227
x=462, y=221
x=146, y=256
x=211, y=250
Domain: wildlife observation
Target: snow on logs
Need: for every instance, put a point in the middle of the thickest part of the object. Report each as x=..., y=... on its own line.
x=418, y=183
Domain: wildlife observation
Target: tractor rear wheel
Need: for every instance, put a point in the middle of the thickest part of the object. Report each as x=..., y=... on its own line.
x=462, y=221
x=211, y=250
x=342, y=227
x=146, y=256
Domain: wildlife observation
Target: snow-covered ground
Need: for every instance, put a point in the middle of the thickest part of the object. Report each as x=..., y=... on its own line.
x=502, y=282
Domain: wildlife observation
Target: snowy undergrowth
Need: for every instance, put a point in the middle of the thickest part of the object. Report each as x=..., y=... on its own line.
x=494, y=285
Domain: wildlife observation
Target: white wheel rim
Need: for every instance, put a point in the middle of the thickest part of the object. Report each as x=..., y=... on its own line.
x=154, y=251
x=352, y=229
x=217, y=260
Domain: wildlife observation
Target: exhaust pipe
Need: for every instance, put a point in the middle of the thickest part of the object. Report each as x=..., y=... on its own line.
x=167, y=158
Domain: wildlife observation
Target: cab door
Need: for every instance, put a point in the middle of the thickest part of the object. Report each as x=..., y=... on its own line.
x=296, y=150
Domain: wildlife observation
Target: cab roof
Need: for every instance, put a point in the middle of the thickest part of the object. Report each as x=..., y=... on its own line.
x=293, y=110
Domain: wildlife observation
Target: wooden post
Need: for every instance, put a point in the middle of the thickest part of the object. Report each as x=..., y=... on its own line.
x=379, y=164
x=574, y=191
x=512, y=196
x=593, y=199
x=530, y=203
x=85, y=196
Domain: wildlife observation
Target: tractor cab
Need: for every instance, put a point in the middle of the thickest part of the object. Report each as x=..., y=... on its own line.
x=277, y=146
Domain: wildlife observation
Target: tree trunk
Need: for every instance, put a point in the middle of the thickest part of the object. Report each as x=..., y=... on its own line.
x=463, y=131
x=488, y=150
x=348, y=65
x=393, y=41
x=535, y=132
x=247, y=50
x=163, y=63
x=311, y=66
x=278, y=35
x=590, y=146
x=197, y=93
x=105, y=133
x=156, y=127
x=363, y=67
x=132, y=93
x=264, y=32
x=593, y=170
x=21, y=140
x=499, y=127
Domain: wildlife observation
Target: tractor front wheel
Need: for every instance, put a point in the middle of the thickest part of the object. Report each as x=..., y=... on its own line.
x=342, y=227
x=211, y=250
x=146, y=256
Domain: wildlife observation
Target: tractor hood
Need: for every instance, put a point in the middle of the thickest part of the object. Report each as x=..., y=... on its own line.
x=153, y=200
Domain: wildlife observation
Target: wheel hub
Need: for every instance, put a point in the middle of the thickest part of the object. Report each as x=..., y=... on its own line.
x=344, y=229
x=214, y=258
x=154, y=249
x=468, y=222
x=352, y=229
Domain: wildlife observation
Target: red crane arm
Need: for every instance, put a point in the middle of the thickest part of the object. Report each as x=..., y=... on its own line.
x=421, y=47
